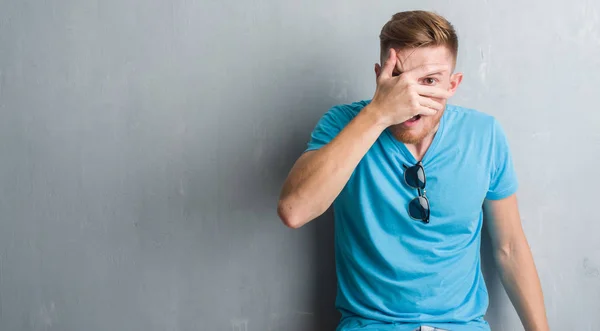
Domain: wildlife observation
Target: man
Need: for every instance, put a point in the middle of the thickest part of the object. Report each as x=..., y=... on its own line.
x=410, y=178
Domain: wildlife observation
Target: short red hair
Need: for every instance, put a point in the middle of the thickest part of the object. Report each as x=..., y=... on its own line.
x=412, y=29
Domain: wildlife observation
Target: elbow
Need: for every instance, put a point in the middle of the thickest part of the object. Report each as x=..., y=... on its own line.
x=511, y=250
x=503, y=253
x=289, y=215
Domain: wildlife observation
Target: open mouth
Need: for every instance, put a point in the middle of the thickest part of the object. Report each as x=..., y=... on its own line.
x=414, y=119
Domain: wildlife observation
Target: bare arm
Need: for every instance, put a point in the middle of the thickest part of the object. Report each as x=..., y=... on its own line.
x=515, y=262
x=319, y=176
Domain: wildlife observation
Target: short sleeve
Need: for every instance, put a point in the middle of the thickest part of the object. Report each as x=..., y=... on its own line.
x=328, y=127
x=503, y=180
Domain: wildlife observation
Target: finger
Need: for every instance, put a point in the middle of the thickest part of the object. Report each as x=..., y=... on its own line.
x=430, y=103
x=426, y=70
x=390, y=63
x=432, y=92
x=422, y=110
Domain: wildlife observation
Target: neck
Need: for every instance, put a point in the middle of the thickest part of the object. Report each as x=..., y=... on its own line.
x=419, y=149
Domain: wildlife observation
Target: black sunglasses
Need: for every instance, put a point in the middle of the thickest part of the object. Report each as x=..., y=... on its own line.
x=418, y=208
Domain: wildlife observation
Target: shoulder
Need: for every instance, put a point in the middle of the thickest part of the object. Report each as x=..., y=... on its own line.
x=476, y=128
x=469, y=115
x=342, y=114
x=474, y=121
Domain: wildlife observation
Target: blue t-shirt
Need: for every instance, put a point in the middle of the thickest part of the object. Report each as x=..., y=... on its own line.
x=396, y=273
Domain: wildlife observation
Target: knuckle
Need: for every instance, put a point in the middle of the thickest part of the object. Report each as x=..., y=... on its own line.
x=414, y=103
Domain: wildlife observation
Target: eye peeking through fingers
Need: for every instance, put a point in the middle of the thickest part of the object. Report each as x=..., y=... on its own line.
x=430, y=81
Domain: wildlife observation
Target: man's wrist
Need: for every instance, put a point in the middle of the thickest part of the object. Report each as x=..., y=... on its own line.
x=376, y=117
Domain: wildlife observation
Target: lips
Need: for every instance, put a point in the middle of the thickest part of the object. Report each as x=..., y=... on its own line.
x=414, y=119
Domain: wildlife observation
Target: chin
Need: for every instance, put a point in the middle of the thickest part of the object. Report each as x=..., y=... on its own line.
x=412, y=135
x=409, y=137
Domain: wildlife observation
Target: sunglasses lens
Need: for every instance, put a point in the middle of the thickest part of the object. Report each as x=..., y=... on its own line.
x=415, y=177
x=419, y=209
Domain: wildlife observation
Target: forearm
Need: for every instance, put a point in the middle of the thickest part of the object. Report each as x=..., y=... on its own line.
x=520, y=279
x=314, y=183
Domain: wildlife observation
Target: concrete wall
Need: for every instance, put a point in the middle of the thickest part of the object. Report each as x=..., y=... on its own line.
x=143, y=145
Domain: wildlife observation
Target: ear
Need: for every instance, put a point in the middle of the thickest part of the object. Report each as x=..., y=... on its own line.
x=377, y=70
x=455, y=80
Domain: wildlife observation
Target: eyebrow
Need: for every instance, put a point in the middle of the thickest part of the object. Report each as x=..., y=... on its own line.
x=434, y=74
x=438, y=73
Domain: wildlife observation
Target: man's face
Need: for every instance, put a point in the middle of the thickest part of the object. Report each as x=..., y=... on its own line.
x=410, y=58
